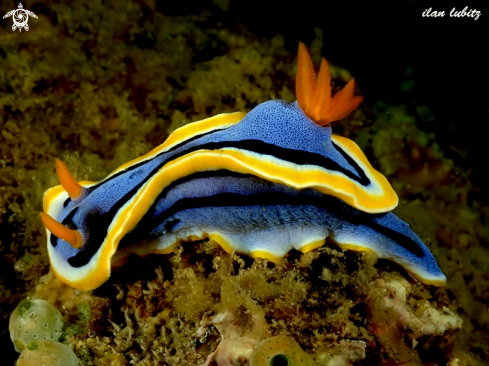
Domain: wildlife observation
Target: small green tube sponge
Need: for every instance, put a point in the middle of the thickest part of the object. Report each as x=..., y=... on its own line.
x=34, y=320
x=280, y=351
x=47, y=353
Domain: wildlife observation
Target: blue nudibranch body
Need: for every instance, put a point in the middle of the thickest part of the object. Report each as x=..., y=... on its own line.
x=259, y=184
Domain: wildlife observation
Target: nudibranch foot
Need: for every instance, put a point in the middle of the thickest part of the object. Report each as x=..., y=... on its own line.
x=270, y=219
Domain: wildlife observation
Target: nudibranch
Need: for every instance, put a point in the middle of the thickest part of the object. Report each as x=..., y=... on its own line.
x=259, y=184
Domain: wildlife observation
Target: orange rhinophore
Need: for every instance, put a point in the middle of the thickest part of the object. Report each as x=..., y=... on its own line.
x=67, y=181
x=71, y=236
x=314, y=96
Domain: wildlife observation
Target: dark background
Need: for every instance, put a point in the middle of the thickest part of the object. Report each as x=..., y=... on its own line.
x=377, y=42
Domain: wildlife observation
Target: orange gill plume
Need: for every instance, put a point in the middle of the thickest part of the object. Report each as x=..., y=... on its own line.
x=71, y=236
x=314, y=95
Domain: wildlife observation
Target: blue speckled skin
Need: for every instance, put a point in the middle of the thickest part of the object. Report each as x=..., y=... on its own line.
x=275, y=122
x=254, y=212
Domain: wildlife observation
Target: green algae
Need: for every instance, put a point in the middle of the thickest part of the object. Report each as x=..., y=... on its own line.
x=80, y=326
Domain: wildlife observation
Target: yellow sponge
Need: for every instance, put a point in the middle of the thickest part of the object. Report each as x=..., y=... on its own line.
x=34, y=320
x=280, y=350
x=50, y=353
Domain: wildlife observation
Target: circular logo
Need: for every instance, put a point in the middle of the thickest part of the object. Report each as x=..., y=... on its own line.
x=20, y=17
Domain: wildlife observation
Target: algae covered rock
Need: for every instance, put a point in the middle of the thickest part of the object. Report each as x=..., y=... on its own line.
x=47, y=353
x=34, y=320
x=280, y=350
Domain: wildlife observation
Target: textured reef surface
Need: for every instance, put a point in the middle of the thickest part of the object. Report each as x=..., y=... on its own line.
x=98, y=85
